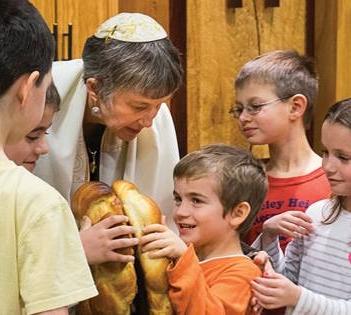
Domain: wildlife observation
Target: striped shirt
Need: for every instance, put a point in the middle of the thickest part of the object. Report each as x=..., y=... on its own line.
x=319, y=263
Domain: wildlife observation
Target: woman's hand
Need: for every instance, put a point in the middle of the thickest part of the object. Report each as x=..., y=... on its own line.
x=291, y=223
x=275, y=291
x=102, y=240
x=160, y=241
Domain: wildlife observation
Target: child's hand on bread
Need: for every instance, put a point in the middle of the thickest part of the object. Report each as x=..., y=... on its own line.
x=159, y=241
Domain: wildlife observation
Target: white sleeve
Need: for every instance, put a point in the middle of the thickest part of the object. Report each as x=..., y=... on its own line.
x=316, y=304
x=293, y=257
x=288, y=265
x=273, y=250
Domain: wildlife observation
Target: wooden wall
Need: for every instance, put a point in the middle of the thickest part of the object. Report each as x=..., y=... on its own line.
x=84, y=15
x=87, y=15
x=332, y=55
x=220, y=40
x=158, y=9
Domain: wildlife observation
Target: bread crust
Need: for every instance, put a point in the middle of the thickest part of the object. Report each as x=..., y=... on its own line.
x=142, y=211
x=115, y=281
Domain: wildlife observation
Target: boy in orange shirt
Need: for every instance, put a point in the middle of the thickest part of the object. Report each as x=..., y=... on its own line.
x=217, y=193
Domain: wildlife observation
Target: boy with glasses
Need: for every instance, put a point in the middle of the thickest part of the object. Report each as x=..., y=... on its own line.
x=274, y=106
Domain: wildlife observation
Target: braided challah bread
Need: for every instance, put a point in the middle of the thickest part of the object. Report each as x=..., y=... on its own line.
x=116, y=282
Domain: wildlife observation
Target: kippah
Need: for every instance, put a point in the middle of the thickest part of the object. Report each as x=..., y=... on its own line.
x=131, y=27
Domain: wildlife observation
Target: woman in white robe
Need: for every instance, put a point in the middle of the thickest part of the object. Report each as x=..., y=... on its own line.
x=129, y=70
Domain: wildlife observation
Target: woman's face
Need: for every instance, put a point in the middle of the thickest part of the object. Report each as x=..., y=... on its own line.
x=127, y=113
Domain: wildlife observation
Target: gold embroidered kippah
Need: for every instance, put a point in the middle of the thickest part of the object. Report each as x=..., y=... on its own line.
x=131, y=27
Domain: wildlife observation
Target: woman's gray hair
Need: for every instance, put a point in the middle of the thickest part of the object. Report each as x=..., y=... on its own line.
x=152, y=69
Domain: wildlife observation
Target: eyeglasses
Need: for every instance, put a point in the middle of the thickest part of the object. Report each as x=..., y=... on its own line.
x=252, y=109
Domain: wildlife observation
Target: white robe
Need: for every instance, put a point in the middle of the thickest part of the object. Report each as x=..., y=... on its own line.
x=147, y=161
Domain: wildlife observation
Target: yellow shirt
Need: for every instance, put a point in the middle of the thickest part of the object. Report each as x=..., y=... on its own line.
x=42, y=263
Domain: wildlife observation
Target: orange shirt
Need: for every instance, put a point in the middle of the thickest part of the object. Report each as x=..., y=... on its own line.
x=216, y=286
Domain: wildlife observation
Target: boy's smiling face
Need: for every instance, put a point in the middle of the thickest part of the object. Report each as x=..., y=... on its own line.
x=198, y=214
x=28, y=150
x=271, y=123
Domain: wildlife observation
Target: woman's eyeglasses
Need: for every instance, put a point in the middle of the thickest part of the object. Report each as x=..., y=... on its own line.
x=252, y=109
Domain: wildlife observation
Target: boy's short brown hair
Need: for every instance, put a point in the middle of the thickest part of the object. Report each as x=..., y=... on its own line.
x=240, y=177
x=288, y=71
x=52, y=97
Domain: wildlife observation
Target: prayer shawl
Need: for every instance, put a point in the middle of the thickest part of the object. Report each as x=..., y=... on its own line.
x=148, y=160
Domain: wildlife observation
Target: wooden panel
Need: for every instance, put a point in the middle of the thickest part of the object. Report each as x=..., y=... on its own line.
x=47, y=10
x=85, y=16
x=333, y=56
x=343, y=62
x=178, y=34
x=158, y=9
x=220, y=40
x=325, y=54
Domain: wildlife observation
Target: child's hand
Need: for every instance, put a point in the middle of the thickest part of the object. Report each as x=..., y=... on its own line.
x=102, y=241
x=256, y=307
x=275, y=290
x=262, y=261
x=291, y=223
x=160, y=241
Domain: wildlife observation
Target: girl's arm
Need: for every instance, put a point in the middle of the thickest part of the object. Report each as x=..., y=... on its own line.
x=311, y=303
x=277, y=291
x=294, y=224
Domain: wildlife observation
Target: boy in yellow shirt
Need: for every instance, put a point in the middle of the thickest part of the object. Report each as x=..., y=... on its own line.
x=43, y=268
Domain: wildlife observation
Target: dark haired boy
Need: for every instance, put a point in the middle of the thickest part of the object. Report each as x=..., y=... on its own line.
x=43, y=268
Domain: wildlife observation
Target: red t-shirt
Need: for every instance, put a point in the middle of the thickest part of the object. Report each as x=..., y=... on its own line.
x=285, y=194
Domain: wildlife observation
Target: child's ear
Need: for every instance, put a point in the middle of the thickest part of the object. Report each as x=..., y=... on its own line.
x=26, y=86
x=239, y=214
x=298, y=105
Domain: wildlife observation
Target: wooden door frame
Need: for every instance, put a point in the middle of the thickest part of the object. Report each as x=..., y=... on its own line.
x=178, y=35
x=309, y=51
